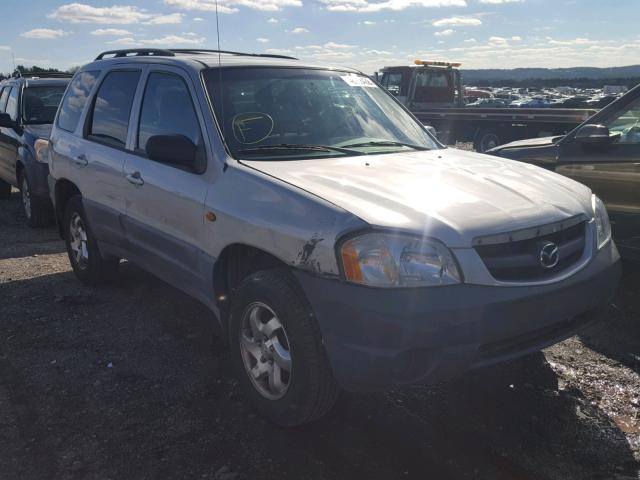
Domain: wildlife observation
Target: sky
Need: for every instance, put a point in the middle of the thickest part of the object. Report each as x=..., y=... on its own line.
x=365, y=34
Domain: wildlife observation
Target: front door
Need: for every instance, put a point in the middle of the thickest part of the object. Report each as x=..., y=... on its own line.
x=9, y=137
x=164, y=218
x=612, y=171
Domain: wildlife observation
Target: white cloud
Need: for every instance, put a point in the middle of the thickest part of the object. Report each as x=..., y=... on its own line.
x=457, y=21
x=498, y=41
x=262, y=40
x=44, y=33
x=367, y=22
x=445, y=33
x=498, y=2
x=272, y=20
x=338, y=46
x=470, y=40
x=299, y=30
x=114, y=32
x=117, y=14
x=171, y=19
x=4, y=47
x=279, y=51
x=231, y=6
x=198, y=19
x=575, y=41
x=376, y=5
x=516, y=38
x=167, y=40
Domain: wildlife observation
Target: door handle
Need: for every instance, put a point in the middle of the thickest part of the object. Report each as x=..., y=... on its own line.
x=81, y=161
x=135, y=178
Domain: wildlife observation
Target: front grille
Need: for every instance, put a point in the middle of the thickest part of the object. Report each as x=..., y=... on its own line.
x=519, y=261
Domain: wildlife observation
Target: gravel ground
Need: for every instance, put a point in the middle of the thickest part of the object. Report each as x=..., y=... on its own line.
x=128, y=382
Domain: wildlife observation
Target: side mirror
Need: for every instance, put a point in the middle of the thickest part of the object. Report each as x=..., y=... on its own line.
x=176, y=150
x=593, y=134
x=6, y=121
x=431, y=130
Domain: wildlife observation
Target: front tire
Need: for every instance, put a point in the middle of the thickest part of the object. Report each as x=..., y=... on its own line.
x=38, y=211
x=88, y=264
x=5, y=190
x=277, y=350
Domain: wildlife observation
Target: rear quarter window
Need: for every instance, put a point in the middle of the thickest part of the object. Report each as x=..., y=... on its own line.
x=75, y=100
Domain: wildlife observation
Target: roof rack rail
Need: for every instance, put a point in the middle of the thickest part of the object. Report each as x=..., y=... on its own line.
x=159, y=52
x=137, y=52
x=229, y=52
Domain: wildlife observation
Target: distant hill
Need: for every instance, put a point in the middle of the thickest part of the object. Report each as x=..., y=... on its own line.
x=577, y=76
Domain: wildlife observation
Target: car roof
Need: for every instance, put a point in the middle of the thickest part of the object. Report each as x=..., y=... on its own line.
x=36, y=81
x=203, y=59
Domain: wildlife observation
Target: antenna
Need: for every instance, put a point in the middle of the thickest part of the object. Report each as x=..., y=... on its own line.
x=220, y=72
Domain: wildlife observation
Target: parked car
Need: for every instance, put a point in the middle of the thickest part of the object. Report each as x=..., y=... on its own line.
x=488, y=103
x=338, y=243
x=604, y=154
x=27, y=108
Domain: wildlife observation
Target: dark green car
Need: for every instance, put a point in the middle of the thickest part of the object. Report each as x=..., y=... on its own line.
x=602, y=153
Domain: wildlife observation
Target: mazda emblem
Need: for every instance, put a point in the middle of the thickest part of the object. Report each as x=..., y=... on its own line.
x=549, y=255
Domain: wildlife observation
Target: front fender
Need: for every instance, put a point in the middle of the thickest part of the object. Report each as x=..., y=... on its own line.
x=36, y=172
x=295, y=226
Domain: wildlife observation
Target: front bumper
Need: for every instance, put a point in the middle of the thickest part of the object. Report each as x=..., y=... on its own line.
x=376, y=338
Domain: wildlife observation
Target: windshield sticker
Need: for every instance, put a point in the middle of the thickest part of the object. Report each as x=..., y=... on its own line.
x=358, y=81
x=252, y=127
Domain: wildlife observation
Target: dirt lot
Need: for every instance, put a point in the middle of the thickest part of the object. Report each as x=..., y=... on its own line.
x=128, y=382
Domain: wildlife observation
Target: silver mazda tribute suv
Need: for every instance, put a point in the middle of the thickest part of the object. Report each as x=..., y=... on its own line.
x=338, y=244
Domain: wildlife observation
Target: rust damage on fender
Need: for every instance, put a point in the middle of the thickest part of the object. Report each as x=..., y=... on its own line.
x=305, y=255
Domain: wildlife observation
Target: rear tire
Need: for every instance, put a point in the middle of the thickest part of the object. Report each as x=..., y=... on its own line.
x=88, y=264
x=486, y=140
x=5, y=190
x=38, y=211
x=269, y=310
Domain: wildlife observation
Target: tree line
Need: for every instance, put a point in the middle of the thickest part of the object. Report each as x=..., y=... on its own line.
x=23, y=70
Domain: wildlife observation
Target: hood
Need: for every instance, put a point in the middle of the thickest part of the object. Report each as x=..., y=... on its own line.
x=448, y=194
x=530, y=142
x=37, y=131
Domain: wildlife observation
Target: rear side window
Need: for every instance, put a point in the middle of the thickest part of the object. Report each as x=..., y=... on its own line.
x=167, y=109
x=75, y=100
x=12, y=104
x=3, y=98
x=112, y=108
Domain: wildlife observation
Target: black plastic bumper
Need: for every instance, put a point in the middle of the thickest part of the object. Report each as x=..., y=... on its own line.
x=376, y=338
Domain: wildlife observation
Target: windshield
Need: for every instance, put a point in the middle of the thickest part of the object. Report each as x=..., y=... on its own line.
x=291, y=113
x=41, y=103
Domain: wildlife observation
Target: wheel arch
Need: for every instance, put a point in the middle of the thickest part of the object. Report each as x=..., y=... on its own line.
x=236, y=262
x=64, y=190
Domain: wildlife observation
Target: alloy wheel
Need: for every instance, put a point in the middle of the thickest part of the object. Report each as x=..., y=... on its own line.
x=266, y=351
x=26, y=198
x=78, y=241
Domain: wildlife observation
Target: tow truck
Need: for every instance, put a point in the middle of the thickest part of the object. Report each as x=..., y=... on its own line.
x=434, y=92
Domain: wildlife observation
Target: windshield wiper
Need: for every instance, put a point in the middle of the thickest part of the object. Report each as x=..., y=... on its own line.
x=385, y=143
x=299, y=147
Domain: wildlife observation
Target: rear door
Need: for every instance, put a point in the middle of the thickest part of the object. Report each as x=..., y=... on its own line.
x=99, y=165
x=165, y=203
x=612, y=171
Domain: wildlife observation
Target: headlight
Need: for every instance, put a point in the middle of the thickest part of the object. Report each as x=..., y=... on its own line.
x=41, y=147
x=603, y=227
x=397, y=260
